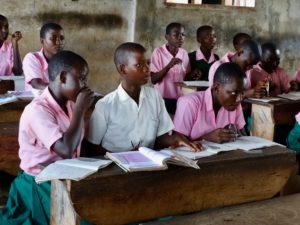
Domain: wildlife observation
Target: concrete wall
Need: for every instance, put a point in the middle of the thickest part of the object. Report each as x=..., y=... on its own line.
x=275, y=21
x=93, y=28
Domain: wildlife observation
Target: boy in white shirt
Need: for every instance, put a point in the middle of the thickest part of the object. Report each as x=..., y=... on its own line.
x=133, y=115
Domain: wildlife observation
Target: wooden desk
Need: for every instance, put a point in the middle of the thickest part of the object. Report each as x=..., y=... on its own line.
x=266, y=116
x=112, y=196
x=188, y=87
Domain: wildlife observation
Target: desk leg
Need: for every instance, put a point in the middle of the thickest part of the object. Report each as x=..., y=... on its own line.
x=263, y=124
x=62, y=211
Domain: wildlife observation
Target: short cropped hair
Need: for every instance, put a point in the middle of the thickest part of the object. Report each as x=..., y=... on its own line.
x=251, y=47
x=3, y=18
x=240, y=36
x=268, y=47
x=123, y=50
x=227, y=72
x=49, y=26
x=203, y=29
x=63, y=61
x=171, y=26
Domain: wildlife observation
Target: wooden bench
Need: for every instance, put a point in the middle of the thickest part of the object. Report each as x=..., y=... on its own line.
x=112, y=196
x=276, y=211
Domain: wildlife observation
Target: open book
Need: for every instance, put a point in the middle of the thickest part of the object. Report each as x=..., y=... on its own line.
x=266, y=99
x=7, y=98
x=73, y=169
x=146, y=159
x=293, y=95
x=22, y=95
x=197, y=83
x=245, y=143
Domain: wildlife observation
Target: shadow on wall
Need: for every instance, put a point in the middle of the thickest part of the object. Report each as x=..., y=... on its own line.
x=106, y=21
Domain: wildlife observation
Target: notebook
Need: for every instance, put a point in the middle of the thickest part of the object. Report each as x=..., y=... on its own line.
x=146, y=159
x=245, y=143
x=73, y=169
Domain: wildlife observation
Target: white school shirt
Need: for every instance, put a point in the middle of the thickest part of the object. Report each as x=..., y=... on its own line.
x=118, y=123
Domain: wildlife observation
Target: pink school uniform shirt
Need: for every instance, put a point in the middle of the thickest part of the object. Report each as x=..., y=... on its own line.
x=42, y=123
x=297, y=76
x=6, y=59
x=35, y=66
x=159, y=59
x=279, y=77
x=195, y=115
x=200, y=56
x=226, y=58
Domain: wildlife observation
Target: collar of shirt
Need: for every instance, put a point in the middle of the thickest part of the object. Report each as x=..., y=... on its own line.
x=124, y=96
x=179, y=53
x=200, y=56
x=4, y=46
x=47, y=96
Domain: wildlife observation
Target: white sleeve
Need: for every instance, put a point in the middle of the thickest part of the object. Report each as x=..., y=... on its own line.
x=98, y=124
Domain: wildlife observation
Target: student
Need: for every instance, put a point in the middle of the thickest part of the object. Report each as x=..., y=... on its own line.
x=238, y=39
x=134, y=115
x=293, y=139
x=169, y=64
x=35, y=64
x=267, y=70
x=10, y=60
x=247, y=56
x=51, y=128
x=203, y=58
x=207, y=114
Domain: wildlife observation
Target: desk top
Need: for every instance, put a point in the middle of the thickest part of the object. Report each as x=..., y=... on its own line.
x=222, y=158
x=280, y=102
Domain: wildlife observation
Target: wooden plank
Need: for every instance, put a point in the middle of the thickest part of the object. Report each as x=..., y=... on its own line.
x=114, y=197
x=277, y=211
x=9, y=146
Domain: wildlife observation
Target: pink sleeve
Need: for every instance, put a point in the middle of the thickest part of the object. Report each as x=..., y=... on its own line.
x=212, y=72
x=32, y=67
x=297, y=76
x=45, y=127
x=156, y=63
x=240, y=121
x=285, y=80
x=248, y=78
x=186, y=114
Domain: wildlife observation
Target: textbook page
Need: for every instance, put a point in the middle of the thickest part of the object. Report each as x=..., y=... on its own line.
x=247, y=143
x=86, y=163
x=7, y=98
x=135, y=161
x=266, y=99
x=198, y=83
x=22, y=95
x=291, y=95
x=210, y=148
x=73, y=169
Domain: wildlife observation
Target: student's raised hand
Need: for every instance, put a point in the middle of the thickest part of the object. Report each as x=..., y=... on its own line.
x=220, y=135
x=181, y=140
x=196, y=74
x=173, y=62
x=15, y=37
x=84, y=99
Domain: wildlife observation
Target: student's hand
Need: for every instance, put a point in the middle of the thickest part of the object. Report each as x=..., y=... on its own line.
x=294, y=85
x=220, y=135
x=196, y=74
x=173, y=62
x=260, y=89
x=84, y=99
x=15, y=37
x=181, y=140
